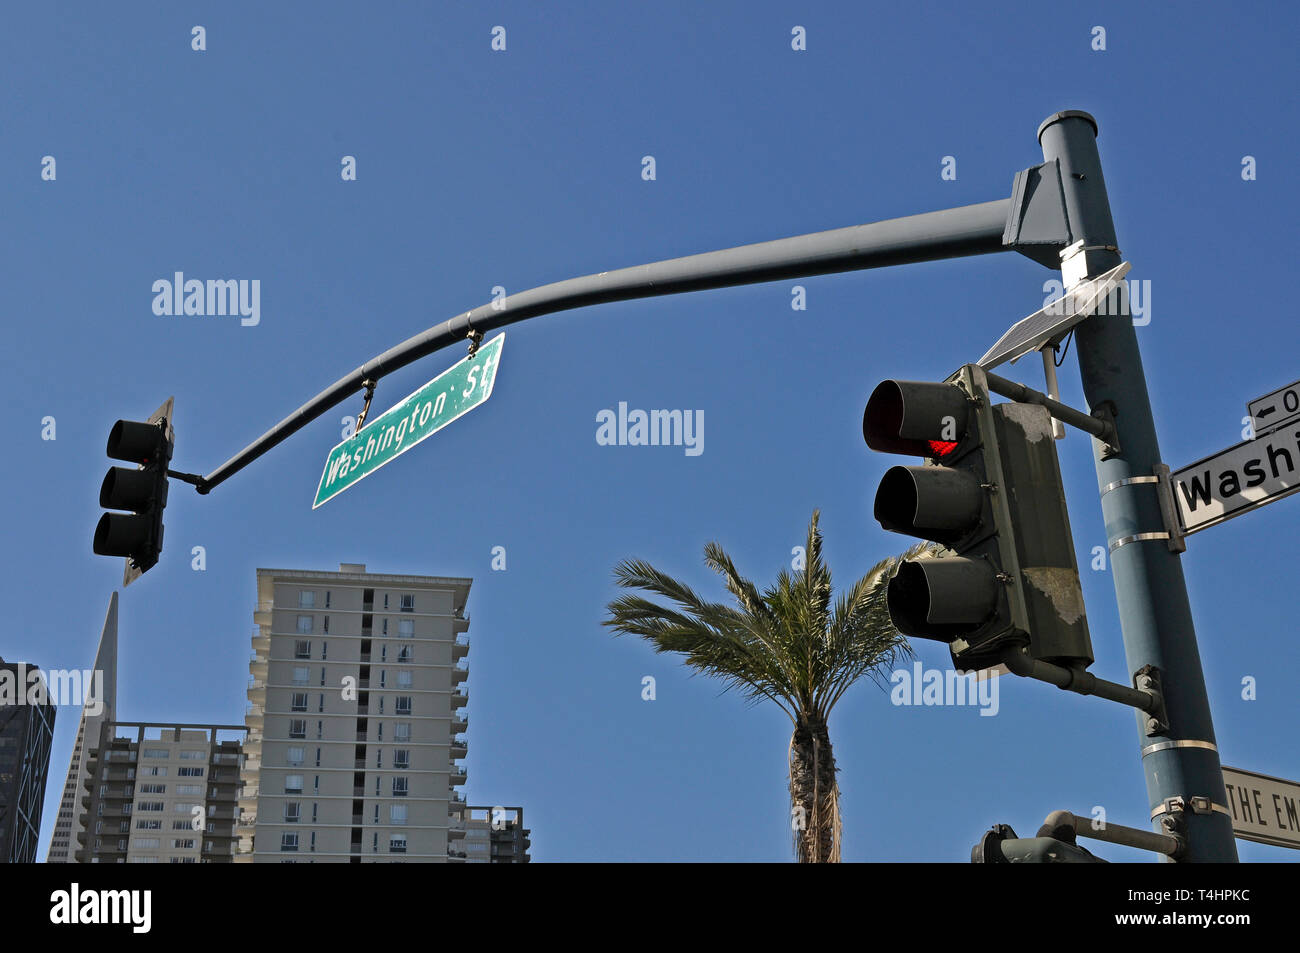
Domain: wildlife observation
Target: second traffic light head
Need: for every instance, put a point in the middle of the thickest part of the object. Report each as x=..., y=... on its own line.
x=935, y=503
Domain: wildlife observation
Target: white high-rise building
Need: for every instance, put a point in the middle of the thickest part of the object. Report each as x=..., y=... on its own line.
x=355, y=702
x=100, y=708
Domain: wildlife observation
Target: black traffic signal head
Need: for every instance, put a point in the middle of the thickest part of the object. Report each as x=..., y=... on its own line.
x=136, y=534
x=918, y=418
x=990, y=493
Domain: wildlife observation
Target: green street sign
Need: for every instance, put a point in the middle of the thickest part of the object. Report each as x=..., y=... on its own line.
x=452, y=393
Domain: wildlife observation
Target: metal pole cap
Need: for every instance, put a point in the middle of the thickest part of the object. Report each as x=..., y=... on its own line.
x=1066, y=114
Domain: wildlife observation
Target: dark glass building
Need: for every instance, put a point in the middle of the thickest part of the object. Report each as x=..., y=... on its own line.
x=26, y=731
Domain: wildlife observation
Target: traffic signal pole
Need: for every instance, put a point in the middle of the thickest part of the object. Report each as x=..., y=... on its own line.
x=1181, y=761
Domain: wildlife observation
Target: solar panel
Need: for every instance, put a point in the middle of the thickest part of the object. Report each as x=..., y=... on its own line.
x=1054, y=320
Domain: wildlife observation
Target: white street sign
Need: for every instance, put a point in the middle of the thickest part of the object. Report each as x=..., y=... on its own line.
x=1263, y=809
x=1272, y=410
x=1238, y=479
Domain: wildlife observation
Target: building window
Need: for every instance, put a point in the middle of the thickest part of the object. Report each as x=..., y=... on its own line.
x=325, y=625
x=313, y=840
x=293, y=784
x=318, y=757
x=180, y=825
x=315, y=785
x=384, y=629
x=194, y=755
x=377, y=787
x=397, y=844
x=148, y=825
x=151, y=805
x=408, y=603
x=405, y=654
x=289, y=841
x=189, y=789
x=402, y=731
x=292, y=812
x=301, y=674
x=320, y=730
x=383, y=677
x=383, y=651
x=376, y=821
x=402, y=758
x=327, y=598
x=298, y=728
x=301, y=648
x=147, y=843
x=324, y=650
x=385, y=600
x=298, y=702
x=402, y=705
x=406, y=628
x=179, y=843
x=195, y=772
x=306, y=600
x=150, y=771
x=400, y=787
x=381, y=704
x=320, y=707
x=322, y=674
x=397, y=814
x=304, y=624
x=313, y=820
x=404, y=679
x=156, y=753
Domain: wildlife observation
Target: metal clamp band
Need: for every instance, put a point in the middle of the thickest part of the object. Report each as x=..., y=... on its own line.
x=1136, y=538
x=1217, y=808
x=1127, y=482
x=1162, y=745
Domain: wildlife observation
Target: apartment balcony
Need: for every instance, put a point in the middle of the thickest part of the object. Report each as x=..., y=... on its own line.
x=460, y=724
x=253, y=716
x=456, y=803
x=459, y=749
x=458, y=776
x=458, y=674
x=456, y=856
x=459, y=650
x=455, y=833
x=459, y=699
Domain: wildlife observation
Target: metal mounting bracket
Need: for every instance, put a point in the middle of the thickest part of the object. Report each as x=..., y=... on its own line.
x=1105, y=412
x=1148, y=679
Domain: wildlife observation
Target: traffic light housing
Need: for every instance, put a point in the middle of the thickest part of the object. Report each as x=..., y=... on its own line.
x=136, y=534
x=989, y=492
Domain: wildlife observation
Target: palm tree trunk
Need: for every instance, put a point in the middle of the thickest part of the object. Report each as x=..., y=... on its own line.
x=814, y=795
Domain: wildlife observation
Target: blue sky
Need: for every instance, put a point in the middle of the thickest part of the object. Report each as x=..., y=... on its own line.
x=477, y=169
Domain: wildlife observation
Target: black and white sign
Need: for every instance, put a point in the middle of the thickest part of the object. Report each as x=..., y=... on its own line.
x=1238, y=479
x=1272, y=410
x=1263, y=809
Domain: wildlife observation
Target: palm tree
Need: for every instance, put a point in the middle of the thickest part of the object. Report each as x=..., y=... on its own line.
x=787, y=645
